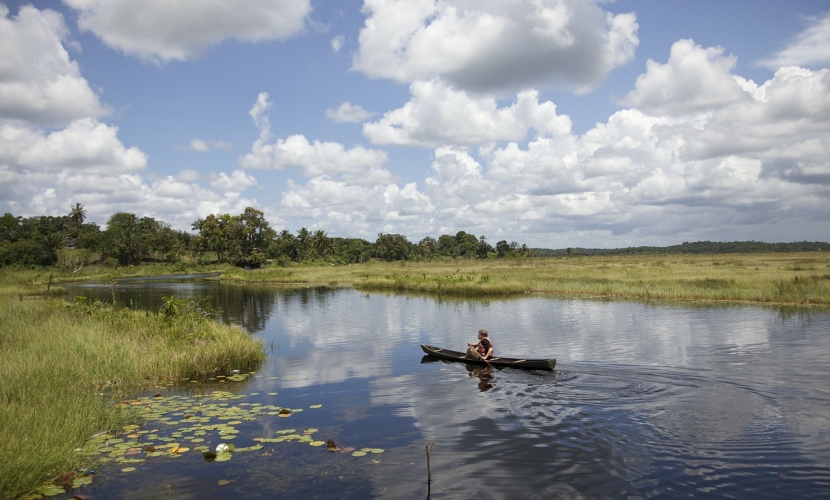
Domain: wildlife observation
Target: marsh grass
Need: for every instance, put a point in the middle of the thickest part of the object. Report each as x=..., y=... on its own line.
x=775, y=278
x=64, y=365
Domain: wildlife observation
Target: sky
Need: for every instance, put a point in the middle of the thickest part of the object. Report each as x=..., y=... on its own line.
x=555, y=123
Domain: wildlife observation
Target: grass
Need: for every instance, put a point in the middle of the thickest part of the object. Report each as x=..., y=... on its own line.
x=64, y=365
x=769, y=278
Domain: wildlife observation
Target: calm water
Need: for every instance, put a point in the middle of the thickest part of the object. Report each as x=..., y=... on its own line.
x=647, y=400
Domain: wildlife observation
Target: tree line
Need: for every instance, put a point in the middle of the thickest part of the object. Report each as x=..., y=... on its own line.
x=698, y=247
x=246, y=239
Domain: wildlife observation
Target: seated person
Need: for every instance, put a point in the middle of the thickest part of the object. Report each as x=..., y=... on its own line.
x=483, y=350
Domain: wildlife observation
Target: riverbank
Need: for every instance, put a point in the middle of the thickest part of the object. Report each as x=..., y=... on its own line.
x=793, y=278
x=768, y=278
x=64, y=365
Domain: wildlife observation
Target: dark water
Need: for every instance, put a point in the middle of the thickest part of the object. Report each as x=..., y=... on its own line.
x=647, y=400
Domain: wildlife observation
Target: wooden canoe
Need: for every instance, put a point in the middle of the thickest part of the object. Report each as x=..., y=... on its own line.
x=526, y=364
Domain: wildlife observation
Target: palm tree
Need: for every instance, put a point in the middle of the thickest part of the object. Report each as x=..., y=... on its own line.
x=52, y=242
x=78, y=214
x=197, y=225
x=319, y=242
x=304, y=241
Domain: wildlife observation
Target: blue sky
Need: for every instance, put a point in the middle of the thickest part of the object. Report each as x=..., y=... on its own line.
x=552, y=123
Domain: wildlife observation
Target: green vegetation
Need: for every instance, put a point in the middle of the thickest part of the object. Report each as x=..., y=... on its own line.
x=770, y=278
x=245, y=240
x=64, y=365
x=698, y=247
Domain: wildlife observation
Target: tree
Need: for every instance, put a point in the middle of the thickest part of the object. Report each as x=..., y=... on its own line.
x=303, y=242
x=392, y=247
x=467, y=244
x=122, y=238
x=52, y=242
x=255, y=238
x=502, y=248
x=77, y=214
x=427, y=246
x=447, y=245
x=483, y=247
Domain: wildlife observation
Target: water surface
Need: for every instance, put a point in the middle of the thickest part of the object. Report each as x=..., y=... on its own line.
x=647, y=400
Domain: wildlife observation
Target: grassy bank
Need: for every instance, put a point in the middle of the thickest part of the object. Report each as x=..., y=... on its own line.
x=777, y=278
x=63, y=366
x=771, y=278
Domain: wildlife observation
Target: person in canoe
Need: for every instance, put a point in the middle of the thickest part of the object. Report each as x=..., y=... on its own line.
x=483, y=350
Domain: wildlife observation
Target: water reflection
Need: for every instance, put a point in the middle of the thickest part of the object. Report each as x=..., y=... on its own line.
x=648, y=399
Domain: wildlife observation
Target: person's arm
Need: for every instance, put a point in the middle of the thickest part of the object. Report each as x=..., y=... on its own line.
x=489, y=353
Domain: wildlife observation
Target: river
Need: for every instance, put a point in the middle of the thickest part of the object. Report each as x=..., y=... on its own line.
x=670, y=400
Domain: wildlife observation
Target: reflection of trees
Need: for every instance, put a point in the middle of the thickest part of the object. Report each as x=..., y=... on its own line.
x=247, y=306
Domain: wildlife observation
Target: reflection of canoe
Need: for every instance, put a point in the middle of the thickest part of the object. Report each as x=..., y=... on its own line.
x=527, y=364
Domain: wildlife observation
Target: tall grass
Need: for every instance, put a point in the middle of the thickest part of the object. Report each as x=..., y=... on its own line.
x=780, y=278
x=63, y=367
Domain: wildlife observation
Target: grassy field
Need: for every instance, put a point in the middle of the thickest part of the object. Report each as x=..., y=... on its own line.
x=64, y=365
x=770, y=278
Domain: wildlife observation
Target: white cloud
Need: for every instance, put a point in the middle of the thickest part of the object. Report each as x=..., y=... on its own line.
x=160, y=30
x=85, y=144
x=694, y=80
x=296, y=152
x=337, y=43
x=237, y=182
x=438, y=114
x=312, y=158
x=199, y=145
x=39, y=83
x=494, y=45
x=811, y=47
x=348, y=113
x=642, y=176
x=78, y=158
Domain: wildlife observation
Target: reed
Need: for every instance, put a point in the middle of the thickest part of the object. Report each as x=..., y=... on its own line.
x=63, y=367
x=774, y=278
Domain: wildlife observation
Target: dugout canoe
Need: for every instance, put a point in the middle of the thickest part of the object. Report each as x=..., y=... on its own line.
x=525, y=364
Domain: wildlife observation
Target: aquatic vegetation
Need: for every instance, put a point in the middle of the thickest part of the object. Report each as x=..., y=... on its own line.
x=175, y=425
x=63, y=366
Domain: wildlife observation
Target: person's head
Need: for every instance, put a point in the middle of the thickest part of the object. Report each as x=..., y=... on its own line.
x=482, y=333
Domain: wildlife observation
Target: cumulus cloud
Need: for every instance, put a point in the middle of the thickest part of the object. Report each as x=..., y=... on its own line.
x=160, y=30
x=85, y=144
x=348, y=113
x=359, y=209
x=809, y=48
x=237, y=182
x=39, y=83
x=646, y=172
x=693, y=80
x=54, y=150
x=493, y=45
x=439, y=114
x=312, y=158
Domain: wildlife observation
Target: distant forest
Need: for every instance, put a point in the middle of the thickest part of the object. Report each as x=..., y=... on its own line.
x=248, y=240
x=691, y=248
